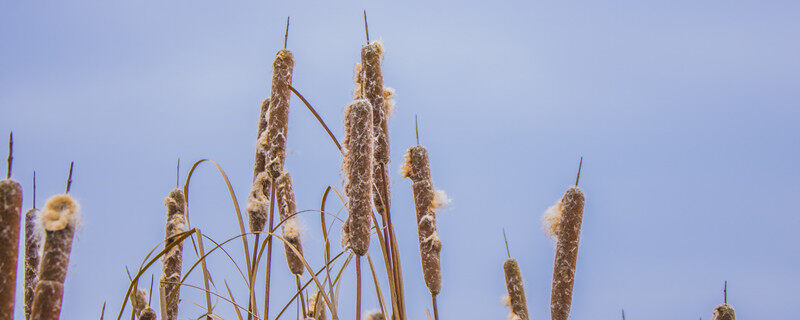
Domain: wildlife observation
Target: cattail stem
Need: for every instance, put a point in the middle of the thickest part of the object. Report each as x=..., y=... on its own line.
x=435, y=307
x=59, y=219
x=358, y=287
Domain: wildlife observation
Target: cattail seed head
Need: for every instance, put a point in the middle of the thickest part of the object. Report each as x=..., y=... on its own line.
x=33, y=240
x=258, y=202
x=377, y=315
x=417, y=167
x=290, y=227
x=357, y=167
x=724, y=312
x=516, y=291
x=373, y=90
x=569, y=230
x=10, y=208
x=59, y=218
x=147, y=314
x=273, y=140
x=172, y=260
x=139, y=301
x=316, y=307
x=260, y=162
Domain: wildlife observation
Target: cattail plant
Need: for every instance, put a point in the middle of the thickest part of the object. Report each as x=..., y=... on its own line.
x=172, y=260
x=516, y=291
x=139, y=301
x=563, y=221
x=426, y=202
x=33, y=241
x=10, y=208
x=357, y=167
x=724, y=311
x=147, y=314
x=59, y=218
x=273, y=139
x=290, y=227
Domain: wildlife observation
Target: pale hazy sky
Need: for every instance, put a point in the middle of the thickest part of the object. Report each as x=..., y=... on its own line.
x=685, y=112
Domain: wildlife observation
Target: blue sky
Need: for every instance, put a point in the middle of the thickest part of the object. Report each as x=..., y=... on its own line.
x=685, y=112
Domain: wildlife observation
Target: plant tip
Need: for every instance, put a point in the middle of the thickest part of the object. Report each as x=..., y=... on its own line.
x=506, y=240
x=69, y=177
x=10, y=153
x=366, y=27
x=580, y=164
x=286, y=33
x=416, y=128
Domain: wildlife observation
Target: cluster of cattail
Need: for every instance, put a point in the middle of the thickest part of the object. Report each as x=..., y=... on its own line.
x=173, y=259
x=357, y=167
x=426, y=202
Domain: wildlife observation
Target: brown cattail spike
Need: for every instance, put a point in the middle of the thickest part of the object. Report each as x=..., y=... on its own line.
x=290, y=226
x=417, y=168
x=258, y=199
x=59, y=218
x=147, y=314
x=568, y=235
x=316, y=307
x=172, y=260
x=10, y=208
x=516, y=291
x=357, y=167
x=273, y=140
x=33, y=241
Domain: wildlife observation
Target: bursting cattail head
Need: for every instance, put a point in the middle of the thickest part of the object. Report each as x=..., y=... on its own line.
x=568, y=235
x=273, y=139
x=258, y=202
x=417, y=168
x=517, y=302
x=290, y=227
x=724, y=312
x=357, y=167
x=373, y=90
x=416, y=165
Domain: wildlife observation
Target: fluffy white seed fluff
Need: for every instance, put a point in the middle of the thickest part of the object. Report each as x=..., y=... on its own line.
x=60, y=211
x=551, y=219
x=440, y=200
